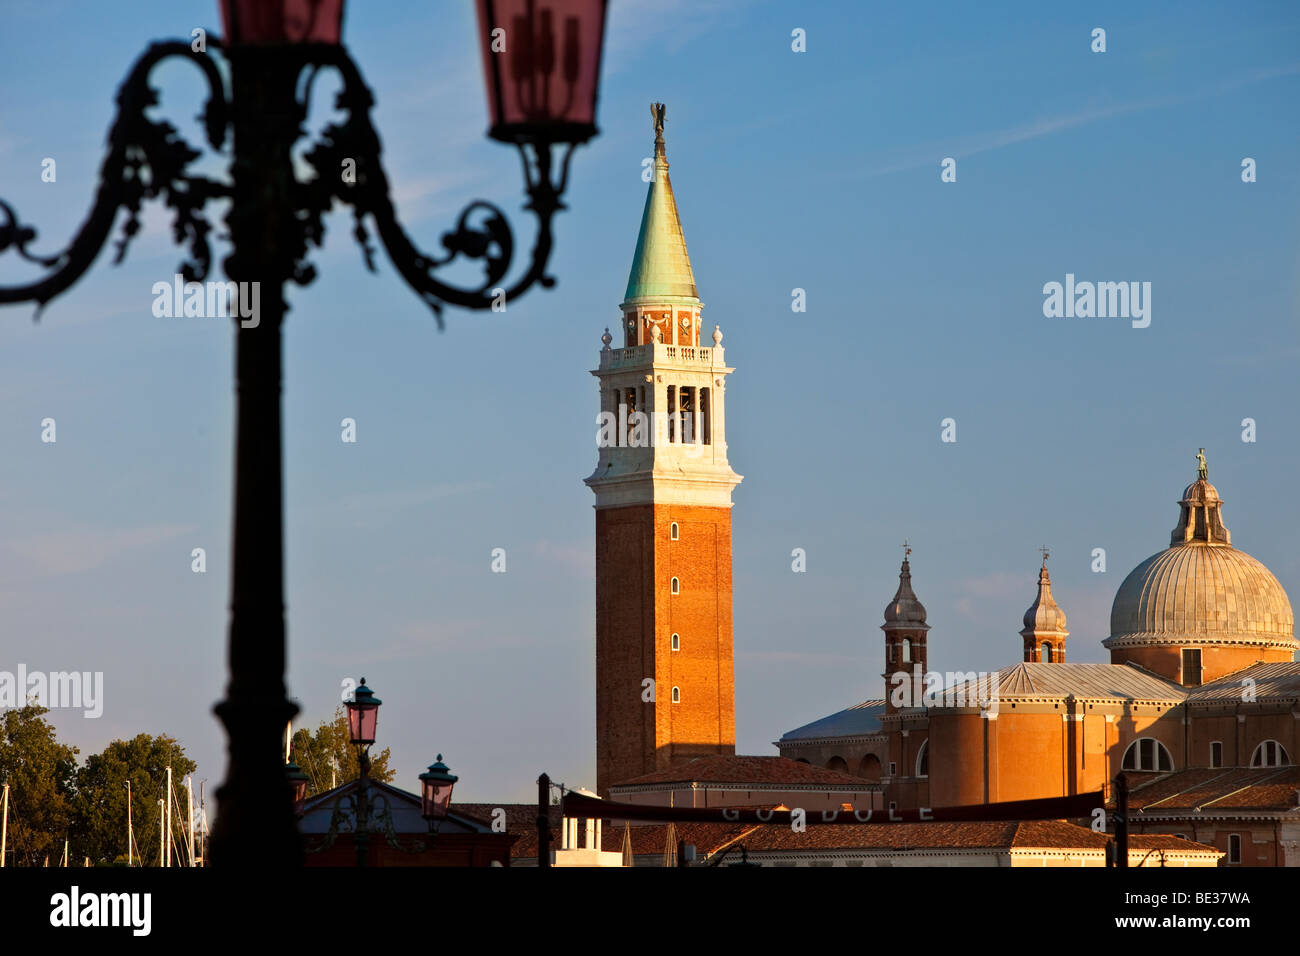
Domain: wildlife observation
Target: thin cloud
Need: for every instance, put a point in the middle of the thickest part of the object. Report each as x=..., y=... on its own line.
x=72, y=552
x=998, y=139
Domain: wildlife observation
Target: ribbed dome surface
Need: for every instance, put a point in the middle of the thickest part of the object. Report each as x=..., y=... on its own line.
x=1212, y=592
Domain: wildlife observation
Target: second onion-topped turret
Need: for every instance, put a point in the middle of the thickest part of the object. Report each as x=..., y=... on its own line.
x=1044, y=632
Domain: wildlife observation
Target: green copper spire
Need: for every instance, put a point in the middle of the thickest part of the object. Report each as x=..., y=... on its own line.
x=661, y=267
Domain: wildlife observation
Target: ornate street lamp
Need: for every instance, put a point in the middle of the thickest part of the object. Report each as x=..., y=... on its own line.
x=435, y=792
x=542, y=59
x=363, y=716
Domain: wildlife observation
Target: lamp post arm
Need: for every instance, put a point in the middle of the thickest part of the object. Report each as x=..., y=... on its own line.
x=146, y=159
x=482, y=231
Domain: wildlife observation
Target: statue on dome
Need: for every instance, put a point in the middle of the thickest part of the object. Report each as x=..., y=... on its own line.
x=1202, y=470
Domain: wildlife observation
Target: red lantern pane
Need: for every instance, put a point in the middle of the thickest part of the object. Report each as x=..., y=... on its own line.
x=437, y=797
x=266, y=22
x=541, y=64
x=361, y=723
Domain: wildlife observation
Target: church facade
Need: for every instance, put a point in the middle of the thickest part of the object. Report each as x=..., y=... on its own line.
x=1201, y=688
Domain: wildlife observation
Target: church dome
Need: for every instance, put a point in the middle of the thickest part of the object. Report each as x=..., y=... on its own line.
x=1212, y=593
x=1201, y=589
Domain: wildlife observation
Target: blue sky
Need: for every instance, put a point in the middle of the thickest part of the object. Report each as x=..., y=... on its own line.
x=816, y=170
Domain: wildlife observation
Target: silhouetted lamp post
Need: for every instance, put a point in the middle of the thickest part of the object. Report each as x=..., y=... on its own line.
x=541, y=60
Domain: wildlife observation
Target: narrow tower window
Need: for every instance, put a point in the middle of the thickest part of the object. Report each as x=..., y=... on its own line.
x=907, y=651
x=1234, y=848
x=1191, y=667
x=677, y=695
x=677, y=642
x=1045, y=653
x=1216, y=753
x=706, y=415
x=672, y=531
x=676, y=587
x=672, y=413
x=686, y=400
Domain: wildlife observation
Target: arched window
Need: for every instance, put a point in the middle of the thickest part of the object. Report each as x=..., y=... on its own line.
x=1270, y=754
x=672, y=531
x=676, y=586
x=869, y=767
x=677, y=642
x=837, y=763
x=907, y=654
x=923, y=760
x=1045, y=653
x=677, y=695
x=1149, y=754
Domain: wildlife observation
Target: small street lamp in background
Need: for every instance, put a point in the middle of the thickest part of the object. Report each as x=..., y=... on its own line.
x=435, y=792
x=363, y=716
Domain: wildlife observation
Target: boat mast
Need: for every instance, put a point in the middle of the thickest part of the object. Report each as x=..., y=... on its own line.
x=130, y=836
x=189, y=799
x=168, y=831
x=4, y=828
x=203, y=820
x=162, y=836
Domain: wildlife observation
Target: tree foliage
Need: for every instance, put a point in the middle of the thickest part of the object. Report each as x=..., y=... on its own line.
x=330, y=746
x=100, y=801
x=40, y=773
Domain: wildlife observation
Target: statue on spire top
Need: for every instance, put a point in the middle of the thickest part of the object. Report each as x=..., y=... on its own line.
x=1202, y=470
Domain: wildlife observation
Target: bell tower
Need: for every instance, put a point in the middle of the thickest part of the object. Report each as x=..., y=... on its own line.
x=905, y=630
x=665, y=686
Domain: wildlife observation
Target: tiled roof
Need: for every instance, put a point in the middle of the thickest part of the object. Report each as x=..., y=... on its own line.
x=1279, y=679
x=521, y=821
x=712, y=838
x=1030, y=834
x=856, y=721
x=1096, y=681
x=707, y=838
x=1275, y=789
x=760, y=772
